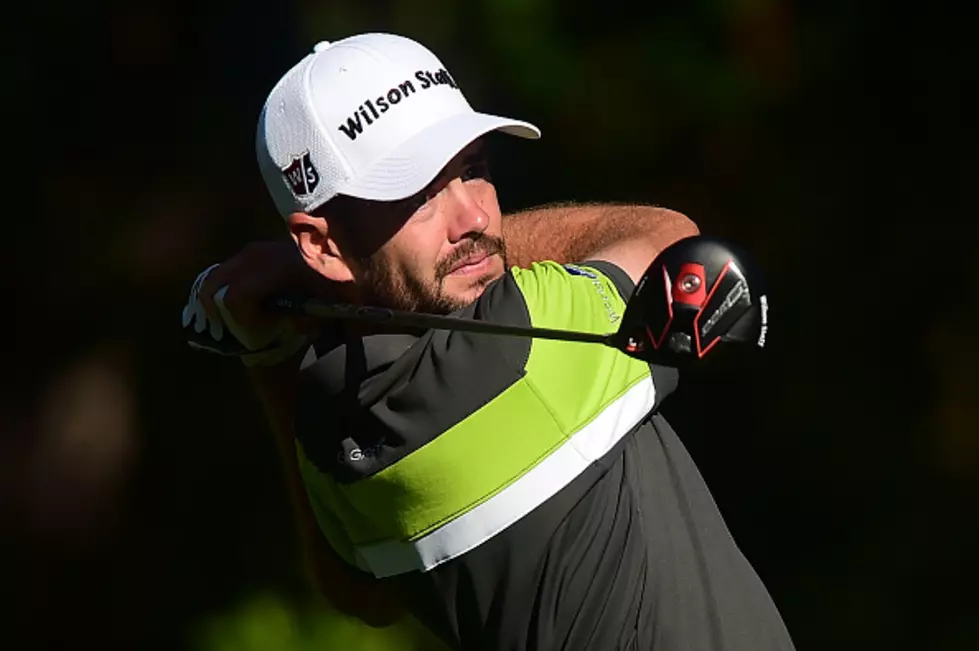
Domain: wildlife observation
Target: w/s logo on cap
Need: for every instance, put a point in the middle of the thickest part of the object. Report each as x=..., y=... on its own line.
x=301, y=175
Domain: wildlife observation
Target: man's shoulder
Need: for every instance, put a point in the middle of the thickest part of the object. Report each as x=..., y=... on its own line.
x=587, y=296
x=574, y=275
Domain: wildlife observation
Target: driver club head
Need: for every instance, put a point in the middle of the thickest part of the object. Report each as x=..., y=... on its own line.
x=698, y=295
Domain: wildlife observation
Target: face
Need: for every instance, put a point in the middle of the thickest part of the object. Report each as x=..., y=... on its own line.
x=443, y=245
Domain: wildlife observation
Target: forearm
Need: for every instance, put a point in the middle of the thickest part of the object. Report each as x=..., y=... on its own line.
x=345, y=588
x=572, y=232
x=275, y=387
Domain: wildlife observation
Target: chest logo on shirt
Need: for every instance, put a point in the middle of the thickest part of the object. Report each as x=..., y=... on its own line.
x=352, y=452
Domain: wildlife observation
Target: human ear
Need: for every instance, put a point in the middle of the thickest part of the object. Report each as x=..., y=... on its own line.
x=318, y=247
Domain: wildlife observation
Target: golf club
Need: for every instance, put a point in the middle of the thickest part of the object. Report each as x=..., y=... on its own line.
x=696, y=294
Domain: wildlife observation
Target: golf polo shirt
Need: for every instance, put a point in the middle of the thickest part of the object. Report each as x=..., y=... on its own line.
x=525, y=493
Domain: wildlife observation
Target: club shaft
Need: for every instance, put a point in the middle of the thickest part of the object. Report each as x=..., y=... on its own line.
x=378, y=315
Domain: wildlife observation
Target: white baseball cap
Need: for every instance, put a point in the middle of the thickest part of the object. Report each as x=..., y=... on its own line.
x=372, y=116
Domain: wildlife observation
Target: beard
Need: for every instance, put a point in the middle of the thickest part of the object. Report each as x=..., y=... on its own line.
x=384, y=288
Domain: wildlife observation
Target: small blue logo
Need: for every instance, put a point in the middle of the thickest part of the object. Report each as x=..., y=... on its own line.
x=575, y=270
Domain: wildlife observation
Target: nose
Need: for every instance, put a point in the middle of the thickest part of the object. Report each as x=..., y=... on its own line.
x=465, y=216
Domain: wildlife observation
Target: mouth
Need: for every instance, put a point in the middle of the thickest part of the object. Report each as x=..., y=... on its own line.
x=473, y=264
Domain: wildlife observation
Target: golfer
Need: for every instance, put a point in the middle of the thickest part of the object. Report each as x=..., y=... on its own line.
x=509, y=493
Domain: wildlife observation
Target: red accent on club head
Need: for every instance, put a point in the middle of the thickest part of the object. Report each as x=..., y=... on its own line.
x=701, y=351
x=669, y=307
x=697, y=298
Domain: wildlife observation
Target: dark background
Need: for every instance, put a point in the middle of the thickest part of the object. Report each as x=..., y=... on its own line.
x=142, y=503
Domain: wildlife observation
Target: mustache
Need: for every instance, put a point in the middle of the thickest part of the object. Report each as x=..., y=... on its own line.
x=488, y=244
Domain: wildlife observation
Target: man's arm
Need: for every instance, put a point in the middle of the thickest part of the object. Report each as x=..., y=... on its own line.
x=347, y=589
x=256, y=272
x=628, y=235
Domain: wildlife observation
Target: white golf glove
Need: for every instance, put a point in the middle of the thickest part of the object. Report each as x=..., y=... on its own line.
x=222, y=335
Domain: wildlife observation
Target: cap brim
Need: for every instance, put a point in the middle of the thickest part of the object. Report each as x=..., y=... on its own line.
x=415, y=163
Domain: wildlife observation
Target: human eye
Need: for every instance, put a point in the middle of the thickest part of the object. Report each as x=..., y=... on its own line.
x=478, y=169
x=419, y=201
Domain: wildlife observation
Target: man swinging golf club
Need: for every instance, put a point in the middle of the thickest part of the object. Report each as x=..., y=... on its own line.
x=508, y=492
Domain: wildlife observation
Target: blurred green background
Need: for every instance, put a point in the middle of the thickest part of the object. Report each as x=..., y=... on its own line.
x=142, y=502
